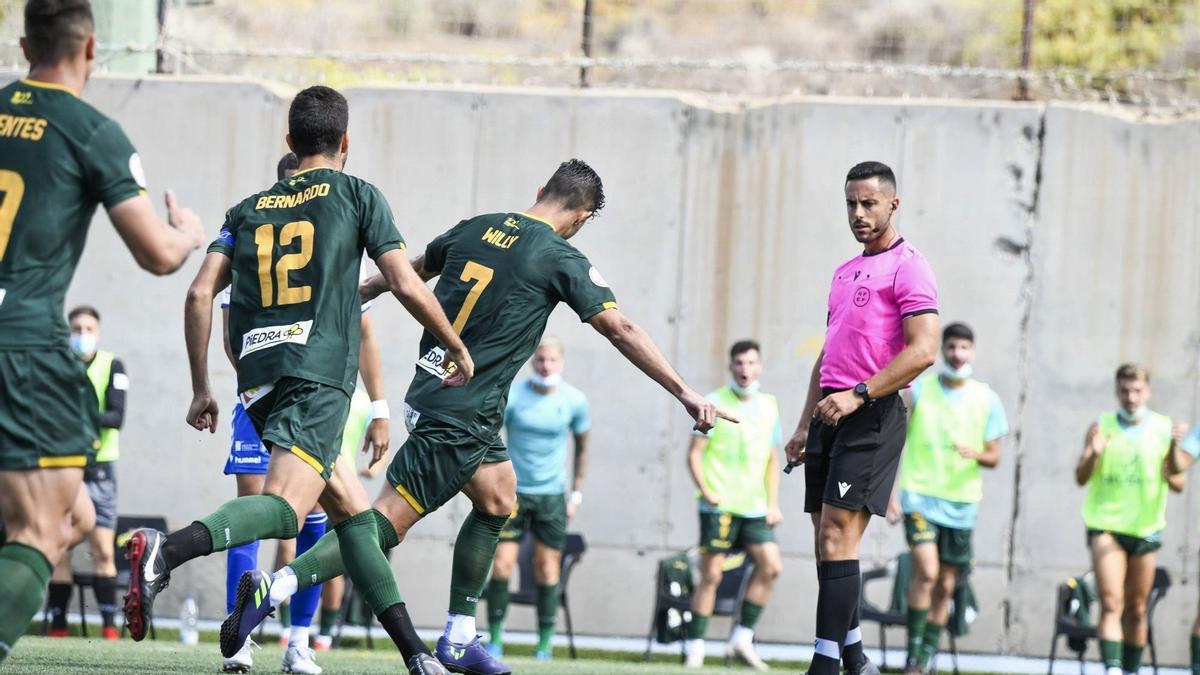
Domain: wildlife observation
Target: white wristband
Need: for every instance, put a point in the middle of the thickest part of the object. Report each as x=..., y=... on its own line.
x=379, y=410
x=576, y=498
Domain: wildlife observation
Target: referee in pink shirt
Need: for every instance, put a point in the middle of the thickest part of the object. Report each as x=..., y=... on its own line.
x=881, y=332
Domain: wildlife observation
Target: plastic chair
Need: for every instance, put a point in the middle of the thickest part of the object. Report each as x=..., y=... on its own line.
x=1067, y=626
x=894, y=616
x=739, y=568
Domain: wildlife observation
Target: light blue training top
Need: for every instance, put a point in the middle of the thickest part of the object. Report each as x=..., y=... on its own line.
x=538, y=427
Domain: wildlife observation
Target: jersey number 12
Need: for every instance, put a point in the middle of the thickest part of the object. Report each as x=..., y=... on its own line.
x=270, y=280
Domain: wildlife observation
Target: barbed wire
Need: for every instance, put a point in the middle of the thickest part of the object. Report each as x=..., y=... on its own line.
x=1124, y=87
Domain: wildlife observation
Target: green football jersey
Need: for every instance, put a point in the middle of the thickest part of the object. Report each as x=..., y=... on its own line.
x=59, y=158
x=296, y=248
x=501, y=276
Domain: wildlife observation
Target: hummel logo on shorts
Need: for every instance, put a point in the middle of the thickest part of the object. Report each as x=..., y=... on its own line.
x=842, y=488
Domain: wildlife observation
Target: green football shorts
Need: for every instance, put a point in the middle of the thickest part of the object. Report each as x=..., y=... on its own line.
x=304, y=417
x=49, y=416
x=721, y=532
x=1132, y=545
x=436, y=462
x=953, y=544
x=543, y=515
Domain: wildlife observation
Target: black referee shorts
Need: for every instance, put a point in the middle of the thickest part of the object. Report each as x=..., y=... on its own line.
x=853, y=465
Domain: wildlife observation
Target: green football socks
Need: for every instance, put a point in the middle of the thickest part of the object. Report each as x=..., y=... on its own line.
x=24, y=575
x=750, y=614
x=473, y=553
x=547, y=615
x=248, y=519
x=1131, y=657
x=329, y=617
x=929, y=643
x=697, y=627
x=323, y=561
x=365, y=563
x=497, y=599
x=916, y=632
x=1110, y=653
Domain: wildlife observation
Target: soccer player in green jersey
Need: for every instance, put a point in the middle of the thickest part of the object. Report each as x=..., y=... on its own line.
x=1128, y=466
x=501, y=275
x=292, y=254
x=59, y=159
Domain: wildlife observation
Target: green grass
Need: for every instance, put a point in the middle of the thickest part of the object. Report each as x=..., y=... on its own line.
x=46, y=656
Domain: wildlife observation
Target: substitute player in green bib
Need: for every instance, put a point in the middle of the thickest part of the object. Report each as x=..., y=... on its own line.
x=292, y=253
x=500, y=277
x=1127, y=468
x=954, y=430
x=59, y=159
x=736, y=471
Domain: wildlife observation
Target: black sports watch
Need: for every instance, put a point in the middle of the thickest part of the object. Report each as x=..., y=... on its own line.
x=861, y=390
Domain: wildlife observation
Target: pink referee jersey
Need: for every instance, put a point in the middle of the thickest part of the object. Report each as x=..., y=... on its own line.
x=869, y=299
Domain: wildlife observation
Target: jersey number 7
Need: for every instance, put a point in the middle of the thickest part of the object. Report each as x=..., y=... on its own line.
x=264, y=238
x=12, y=187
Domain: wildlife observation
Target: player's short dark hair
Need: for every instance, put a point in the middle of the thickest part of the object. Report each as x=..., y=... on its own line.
x=55, y=29
x=958, y=330
x=83, y=309
x=289, y=162
x=576, y=186
x=743, y=346
x=317, y=120
x=865, y=170
x=1132, y=371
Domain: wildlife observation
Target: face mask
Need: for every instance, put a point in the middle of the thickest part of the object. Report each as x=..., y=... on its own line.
x=548, y=382
x=83, y=344
x=1131, y=418
x=958, y=375
x=746, y=390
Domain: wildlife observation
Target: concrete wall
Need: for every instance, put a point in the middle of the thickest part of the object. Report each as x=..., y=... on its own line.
x=1065, y=236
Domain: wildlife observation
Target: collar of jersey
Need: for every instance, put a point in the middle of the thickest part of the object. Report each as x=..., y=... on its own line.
x=522, y=213
x=314, y=168
x=899, y=240
x=48, y=85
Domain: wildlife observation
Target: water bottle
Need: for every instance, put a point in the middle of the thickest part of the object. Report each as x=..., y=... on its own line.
x=189, y=616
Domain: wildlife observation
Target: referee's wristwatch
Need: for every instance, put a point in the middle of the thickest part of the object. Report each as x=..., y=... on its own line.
x=861, y=390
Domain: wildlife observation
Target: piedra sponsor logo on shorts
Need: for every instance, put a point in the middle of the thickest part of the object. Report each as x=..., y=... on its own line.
x=272, y=336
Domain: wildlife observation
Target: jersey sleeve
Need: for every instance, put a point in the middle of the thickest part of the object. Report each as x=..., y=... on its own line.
x=997, y=422
x=581, y=418
x=223, y=244
x=1191, y=442
x=579, y=284
x=113, y=415
x=915, y=287
x=111, y=166
x=435, y=252
x=377, y=227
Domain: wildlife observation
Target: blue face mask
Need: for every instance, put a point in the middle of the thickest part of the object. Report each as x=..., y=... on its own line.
x=83, y=344
x=1132, y=417
x=953, y=375
x=746, y=390
x=547, y=382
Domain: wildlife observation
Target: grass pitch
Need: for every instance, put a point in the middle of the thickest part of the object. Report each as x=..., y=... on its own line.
x=46, y=656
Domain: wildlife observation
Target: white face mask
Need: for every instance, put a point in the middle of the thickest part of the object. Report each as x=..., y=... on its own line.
x=83, y=344
x=548, y=382
x=746, y=390
x=1131, y=417
x=956, y=375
